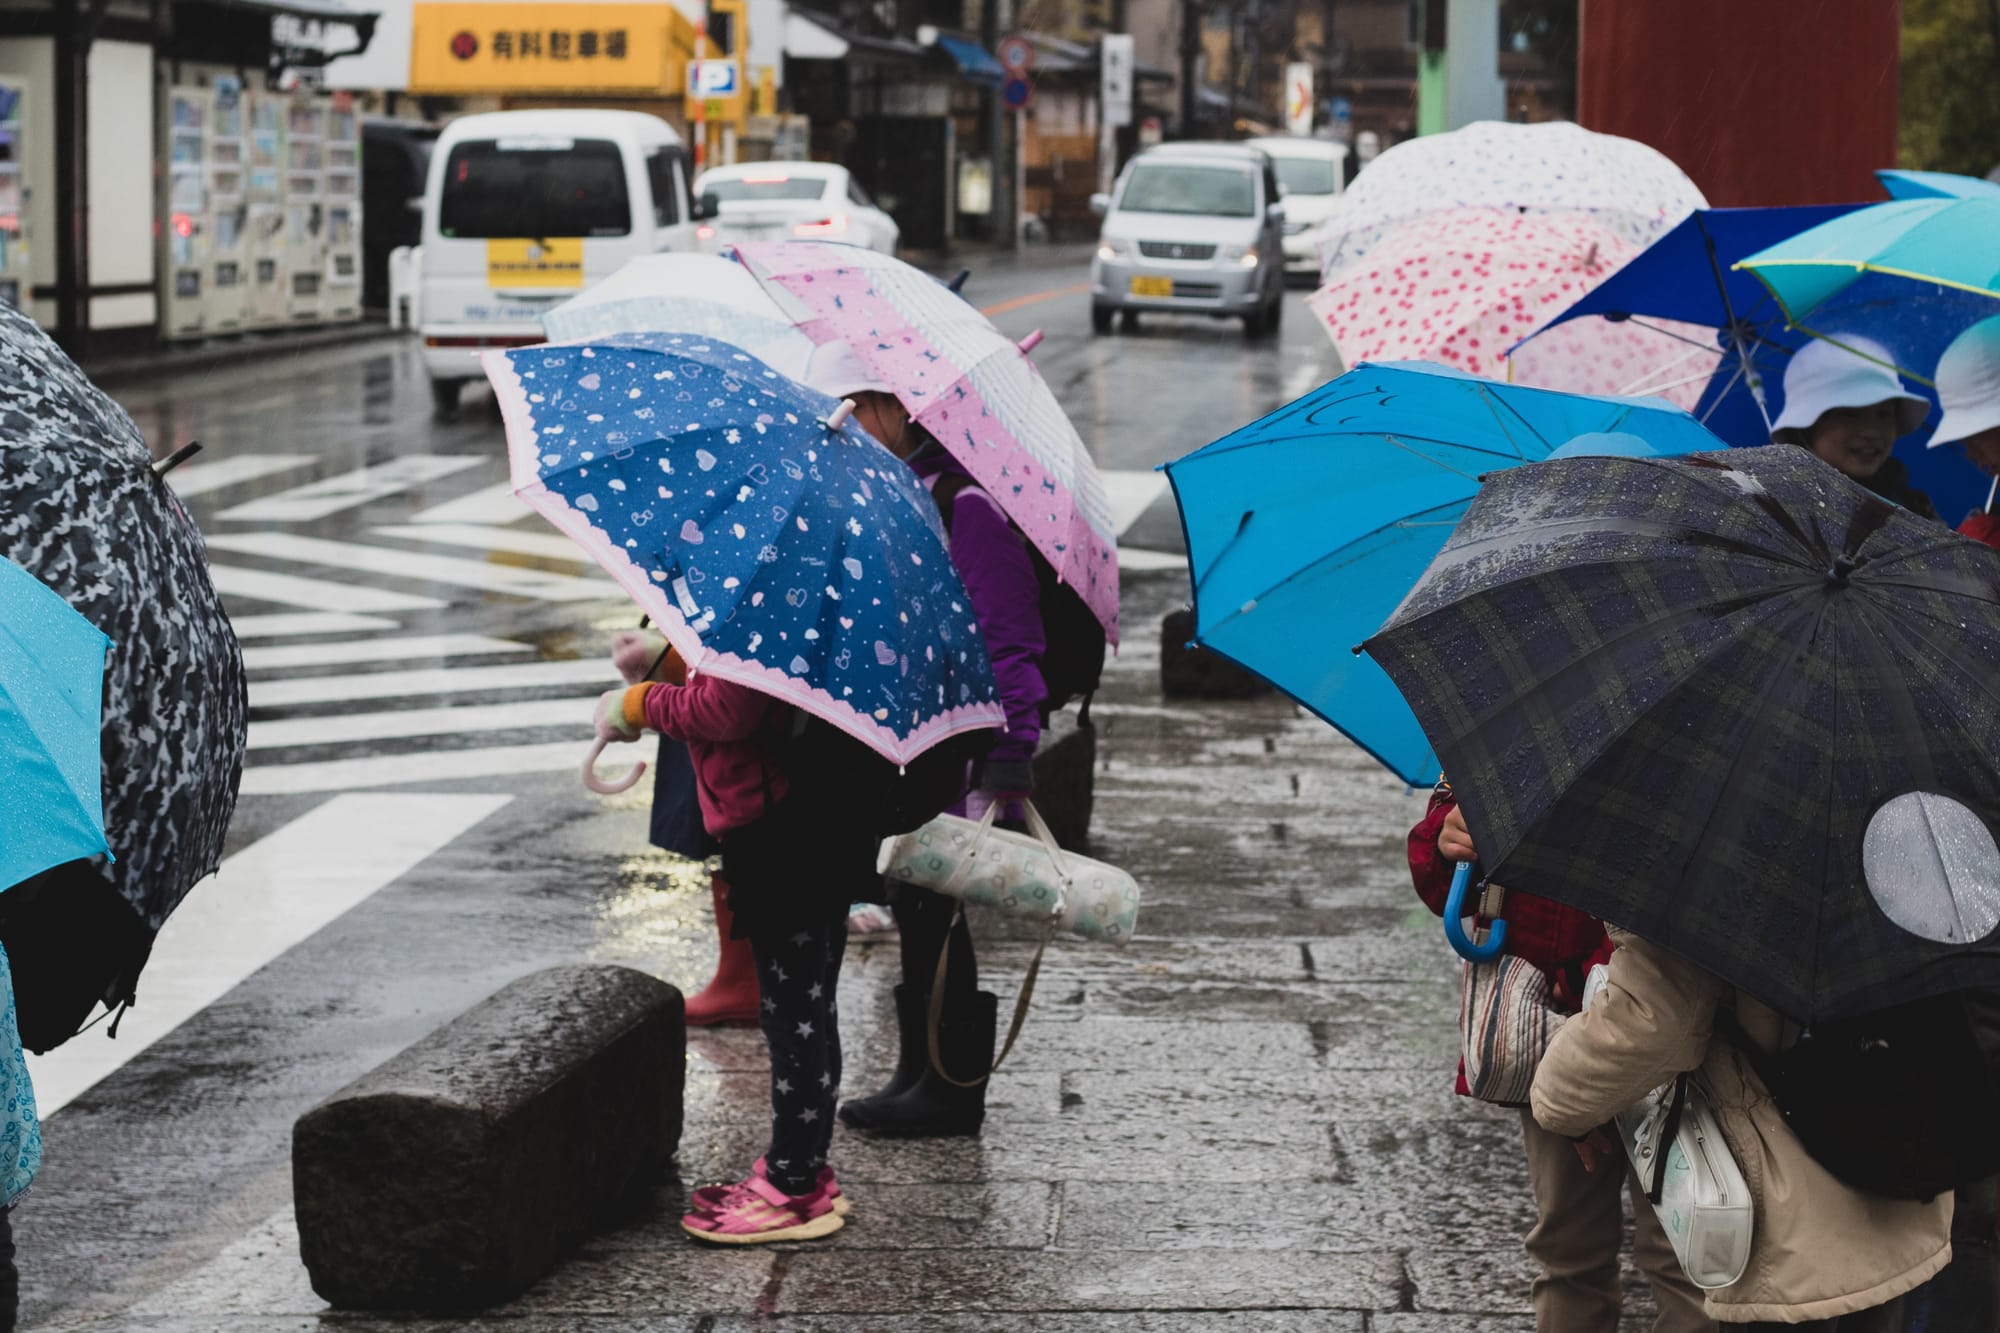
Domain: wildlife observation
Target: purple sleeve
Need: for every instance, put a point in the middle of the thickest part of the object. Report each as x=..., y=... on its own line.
x=1007, y=599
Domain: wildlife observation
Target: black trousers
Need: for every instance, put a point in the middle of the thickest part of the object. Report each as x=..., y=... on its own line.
x=797, y=975
x=923, y=919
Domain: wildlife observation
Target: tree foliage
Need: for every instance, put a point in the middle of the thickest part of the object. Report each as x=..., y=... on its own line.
x=1951, y=85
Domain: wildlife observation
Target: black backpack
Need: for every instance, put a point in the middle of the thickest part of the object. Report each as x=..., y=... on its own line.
x=852, y=785
x=1073, y=643
x=1902, y=1102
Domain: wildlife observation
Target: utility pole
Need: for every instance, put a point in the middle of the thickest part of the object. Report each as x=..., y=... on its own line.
x=1326, y=50
x=1190, y=52
x=1005, y=226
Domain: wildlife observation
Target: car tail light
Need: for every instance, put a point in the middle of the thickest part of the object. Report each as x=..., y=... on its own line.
x=704, y=233
x=832, y=226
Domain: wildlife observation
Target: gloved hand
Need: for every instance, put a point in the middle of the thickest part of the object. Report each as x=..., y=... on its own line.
x=610, y=720
x=632, y=652
x=1007, y=785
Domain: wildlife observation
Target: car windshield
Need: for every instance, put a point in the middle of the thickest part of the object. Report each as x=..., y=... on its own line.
x=539, y=189
x=1227, y=192
x=1307, y=175
x=765, y=188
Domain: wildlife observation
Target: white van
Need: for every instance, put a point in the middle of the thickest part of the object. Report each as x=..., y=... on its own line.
x=524, y=209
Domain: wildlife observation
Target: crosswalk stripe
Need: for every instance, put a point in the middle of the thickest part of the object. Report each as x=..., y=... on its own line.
x=490, y=504
x=275, y=657
x=1142, y=562
x=429, y=681
x=341, y=728
x=546, y=545
x=194, y=479
x=465, y=573
x=262, y=585
x=265, y=899
x=318, y=499
x=287, y=624
x=1131, y=494
x=428, y=766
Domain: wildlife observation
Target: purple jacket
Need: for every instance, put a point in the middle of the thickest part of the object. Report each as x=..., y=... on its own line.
x=993, y=560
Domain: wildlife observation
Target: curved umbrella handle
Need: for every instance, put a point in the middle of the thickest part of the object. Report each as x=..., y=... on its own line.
x=608, y=786
x=838, y=417
x=1454, y=927
x=1031, y=342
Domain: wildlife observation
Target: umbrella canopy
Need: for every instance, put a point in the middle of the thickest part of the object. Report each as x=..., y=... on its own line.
x=1305, y=529
x=1463, y=286
x=83, y=511
x=1687, y=278
x=798, y=558
x=1557, y=167
x=1735, y=703
x=968, y=385
x=51, y=682
x=682, y=293
x=1935, y=185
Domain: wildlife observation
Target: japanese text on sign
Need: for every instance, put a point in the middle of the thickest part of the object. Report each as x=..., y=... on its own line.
x=586, y=47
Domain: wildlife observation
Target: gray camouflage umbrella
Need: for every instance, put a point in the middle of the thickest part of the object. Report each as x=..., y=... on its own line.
x=82, y=508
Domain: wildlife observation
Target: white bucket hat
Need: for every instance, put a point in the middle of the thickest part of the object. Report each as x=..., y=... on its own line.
x=1968, y=383
x=1823, y=376
x=837, y=370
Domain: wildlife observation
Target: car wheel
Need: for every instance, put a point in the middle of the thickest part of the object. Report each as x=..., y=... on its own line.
x=1100, y=319
x=444, y=398
x=1253, y=323
x=1277, y=316
x=1128, y=321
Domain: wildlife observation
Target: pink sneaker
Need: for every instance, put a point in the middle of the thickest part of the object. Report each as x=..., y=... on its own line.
x=757, y=1211
x=704, y=1199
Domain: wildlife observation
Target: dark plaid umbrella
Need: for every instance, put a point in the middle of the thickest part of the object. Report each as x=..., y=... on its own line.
x=1733, y=702
x=82, y=508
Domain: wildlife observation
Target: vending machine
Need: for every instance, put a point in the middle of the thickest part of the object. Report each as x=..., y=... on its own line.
x=228, y=210
x=270, y=283
x=341, y=295
x=305, y=209
x=184, y=240
x=15, y=281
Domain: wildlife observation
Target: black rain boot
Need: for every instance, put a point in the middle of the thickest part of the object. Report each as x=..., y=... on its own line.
x=933, y=1108
x=912, y=1058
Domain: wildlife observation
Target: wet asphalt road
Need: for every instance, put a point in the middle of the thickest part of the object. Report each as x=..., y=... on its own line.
x=1247, y=1110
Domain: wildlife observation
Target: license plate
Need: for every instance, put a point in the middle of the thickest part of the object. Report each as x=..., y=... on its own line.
x=1152, y=286
x=530, y=263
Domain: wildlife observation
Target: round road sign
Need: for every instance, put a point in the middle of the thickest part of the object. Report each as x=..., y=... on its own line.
x=1016, y=93
x=1016, y=54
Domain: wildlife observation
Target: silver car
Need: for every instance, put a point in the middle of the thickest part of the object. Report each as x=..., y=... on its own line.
x=1191, y=228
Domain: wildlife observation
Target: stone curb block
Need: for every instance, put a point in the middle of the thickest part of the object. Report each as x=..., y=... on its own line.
x=1197, y=673
x=460, y=1171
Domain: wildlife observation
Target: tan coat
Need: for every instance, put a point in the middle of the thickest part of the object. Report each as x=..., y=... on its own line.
x=1819, y=1249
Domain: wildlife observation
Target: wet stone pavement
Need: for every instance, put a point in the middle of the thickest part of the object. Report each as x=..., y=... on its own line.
x=1242, y=1121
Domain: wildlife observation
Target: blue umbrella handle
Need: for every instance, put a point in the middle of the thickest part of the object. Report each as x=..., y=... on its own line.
x=1454, y=925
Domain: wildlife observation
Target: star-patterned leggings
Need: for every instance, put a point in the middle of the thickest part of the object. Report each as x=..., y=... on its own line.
x=797, y=975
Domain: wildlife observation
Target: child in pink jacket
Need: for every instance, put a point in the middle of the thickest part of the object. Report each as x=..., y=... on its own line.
x=791, y=875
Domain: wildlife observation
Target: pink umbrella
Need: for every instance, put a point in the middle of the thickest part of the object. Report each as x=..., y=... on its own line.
x=1462, y=286
x=967, y=384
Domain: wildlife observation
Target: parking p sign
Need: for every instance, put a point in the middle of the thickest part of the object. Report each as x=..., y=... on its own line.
x=712, y=78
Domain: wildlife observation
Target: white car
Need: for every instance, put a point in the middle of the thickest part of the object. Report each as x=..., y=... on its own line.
x=782, y=201
x=1311, y=172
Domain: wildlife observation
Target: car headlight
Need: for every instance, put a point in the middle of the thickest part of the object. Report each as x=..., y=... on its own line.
x=1109, y=247
x=1250, y=257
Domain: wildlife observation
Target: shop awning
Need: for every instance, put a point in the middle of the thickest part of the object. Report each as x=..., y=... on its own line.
x=974, y=61
x=808, y=40
x=324, y=11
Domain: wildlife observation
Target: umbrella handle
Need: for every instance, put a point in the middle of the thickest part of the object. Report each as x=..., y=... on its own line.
x=839, y=415
x=1031, y=342
x=608, y=786
x=1454, y=926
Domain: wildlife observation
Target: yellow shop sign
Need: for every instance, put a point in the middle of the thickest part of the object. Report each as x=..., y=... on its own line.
x=518, y=263
x=497, y=48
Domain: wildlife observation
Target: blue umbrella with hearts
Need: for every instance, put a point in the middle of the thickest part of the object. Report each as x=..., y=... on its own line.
x=772, y=540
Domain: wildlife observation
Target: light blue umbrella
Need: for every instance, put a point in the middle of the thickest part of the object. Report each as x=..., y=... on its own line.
x=51, y=691
x=1306, y=529
x=1935, y=185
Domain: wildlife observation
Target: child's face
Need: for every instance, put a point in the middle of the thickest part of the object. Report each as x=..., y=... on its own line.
x=1856, y=439
x=1984, y=450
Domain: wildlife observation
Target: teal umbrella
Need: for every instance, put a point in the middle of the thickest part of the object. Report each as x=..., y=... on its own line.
x=1935, y=185
x=51, y=690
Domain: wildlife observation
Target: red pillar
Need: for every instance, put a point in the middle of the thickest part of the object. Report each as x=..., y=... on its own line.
x=1760, y=101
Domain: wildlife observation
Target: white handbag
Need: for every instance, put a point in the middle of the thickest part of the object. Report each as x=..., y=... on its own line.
x=1026, y=874
x=1698, y=1191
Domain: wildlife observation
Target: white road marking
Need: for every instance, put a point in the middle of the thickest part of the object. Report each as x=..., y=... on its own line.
x=546, y=545
x=491, y=504
x=340, y=728
x=192, y=479
x=1140, y=562
x=261, y=585
x=430, y=680
x=281, y=625
x=275, y=656
x=412, y=565
x=426, y=766
x=1131, y=494
x=317, y=499
x=265, y=899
